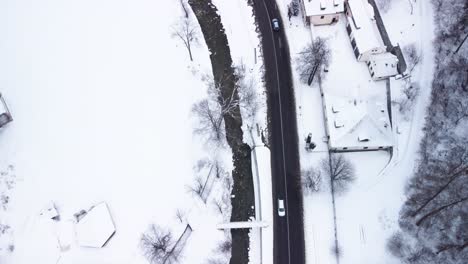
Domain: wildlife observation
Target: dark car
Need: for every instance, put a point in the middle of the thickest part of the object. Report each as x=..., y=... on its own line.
x=275, y=24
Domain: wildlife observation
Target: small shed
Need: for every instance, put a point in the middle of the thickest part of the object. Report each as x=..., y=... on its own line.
x=322, y=12
x=382, y=66
x=96, y=228
x=5, y=115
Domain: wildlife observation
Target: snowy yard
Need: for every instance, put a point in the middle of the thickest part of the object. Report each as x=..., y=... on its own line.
x=101, y=93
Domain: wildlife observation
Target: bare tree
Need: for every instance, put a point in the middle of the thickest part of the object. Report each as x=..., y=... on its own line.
x=156, y=244
x=340, y=170
x=384, y=5
x=186, y=31
x=180, y=215
x=433, y=215
x=413, y=56
x=211, y=123
x=218, y=203
x=225, y=246
x=411, y=92
x=311, y=180
x=197, y=187
x=217, y=261
x=228, y=102
x=248, y=99
x=294, y=7
x=312, y=58
x=184, y=8
x=212, y=110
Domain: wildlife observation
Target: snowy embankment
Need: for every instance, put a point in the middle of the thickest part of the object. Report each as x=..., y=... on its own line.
x=101, y=95
x=367, y=213
x=239, y=23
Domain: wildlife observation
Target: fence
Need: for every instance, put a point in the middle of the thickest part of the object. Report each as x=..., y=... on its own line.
x=5, y=115
x=208, y=185
x=179, y=245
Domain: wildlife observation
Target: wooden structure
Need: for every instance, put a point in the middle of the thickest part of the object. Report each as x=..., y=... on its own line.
x=5, y=115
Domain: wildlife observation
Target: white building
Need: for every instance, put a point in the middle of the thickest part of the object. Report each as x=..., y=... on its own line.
x=362, y=30
x=353, y=125
x=322, y=12
x=382, y=66
x=96, y=227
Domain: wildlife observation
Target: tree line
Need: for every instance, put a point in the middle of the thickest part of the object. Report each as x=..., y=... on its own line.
x=433, y=219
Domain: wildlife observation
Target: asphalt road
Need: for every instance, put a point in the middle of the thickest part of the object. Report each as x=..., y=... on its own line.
x=289, y=245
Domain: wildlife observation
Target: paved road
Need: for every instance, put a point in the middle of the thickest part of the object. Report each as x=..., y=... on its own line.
x=289, y=245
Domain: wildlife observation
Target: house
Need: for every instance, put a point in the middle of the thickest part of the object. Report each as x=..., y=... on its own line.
x=5, y=115
x=355, y=125
x=362, y=30
x=322, y=12
x=96, y=227
x=382, y=66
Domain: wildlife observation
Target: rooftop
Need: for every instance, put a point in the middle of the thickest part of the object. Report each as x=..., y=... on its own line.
x=364, y=27
x=384, y=64
x=323, y=7
x=358, y=123
x=96, y=227
x=3, y=108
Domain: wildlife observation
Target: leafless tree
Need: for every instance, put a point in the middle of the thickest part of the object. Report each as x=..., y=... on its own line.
x=384, y=5
x=412, y=55
x=336, y=251
x=184, y=8
x=211, y=123
x=217, y=261
x=411, y=92
x=340, y=170
x=218, y=203
x=197, y=187
x=311, y=180
x=156, y=244
x=458, y=109
x=212, y=110
x=180, y=215
x=312, y=58
x=225, y=246
x=248, y=99
x=186, y=30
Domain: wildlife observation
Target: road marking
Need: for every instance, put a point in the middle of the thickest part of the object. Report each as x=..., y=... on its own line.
x=282, y=135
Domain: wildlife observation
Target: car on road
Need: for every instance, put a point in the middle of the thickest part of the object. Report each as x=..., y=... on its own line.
x=275, y=24
x=281, y=211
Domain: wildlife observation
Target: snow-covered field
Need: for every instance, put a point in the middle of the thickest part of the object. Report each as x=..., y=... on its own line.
x=101, y=94
x=367, y=213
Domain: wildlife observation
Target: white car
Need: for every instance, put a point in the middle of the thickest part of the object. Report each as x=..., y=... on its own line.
x=281, y=211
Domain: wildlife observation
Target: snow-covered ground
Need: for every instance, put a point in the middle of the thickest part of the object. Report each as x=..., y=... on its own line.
x=101, y=94
x=367, y=214
x=244, y=42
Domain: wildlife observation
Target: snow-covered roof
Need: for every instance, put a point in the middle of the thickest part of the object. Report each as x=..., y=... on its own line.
x=365, y=30
x=323, y=7
x=3, y=108
x=362, y=123
x=383, y=65
x=96, y=228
